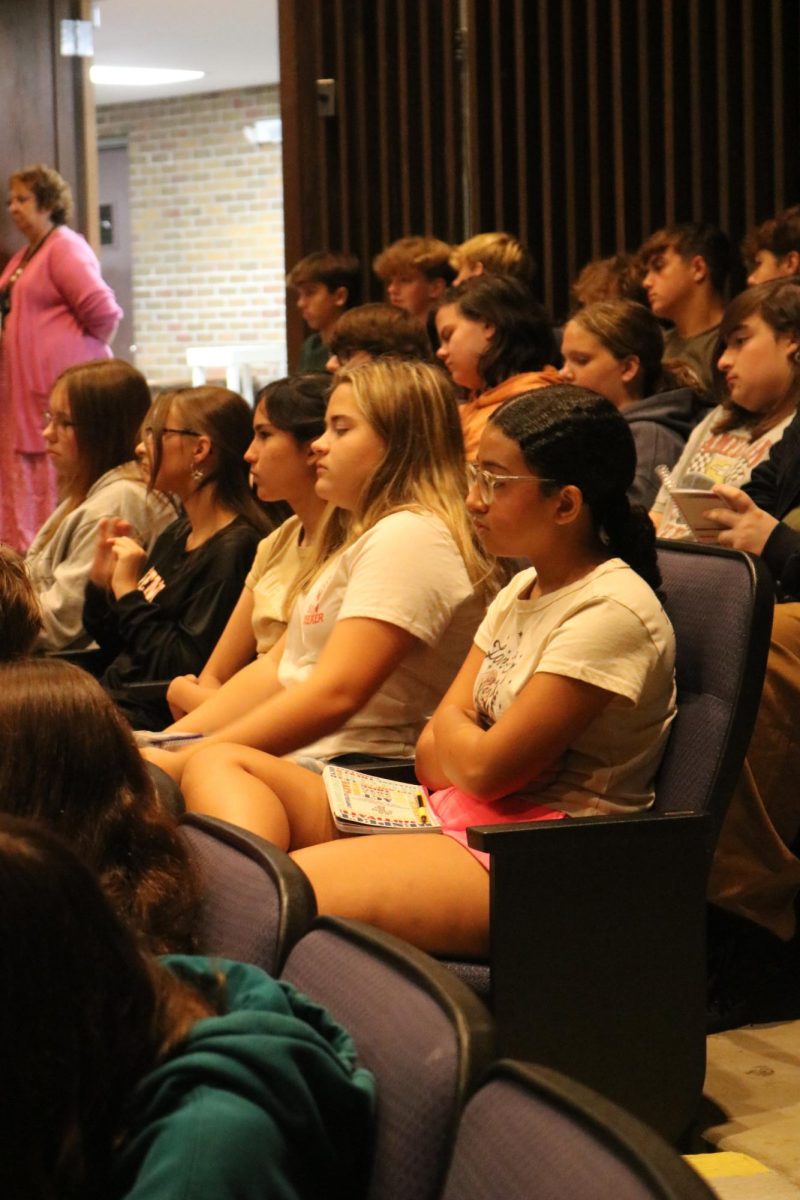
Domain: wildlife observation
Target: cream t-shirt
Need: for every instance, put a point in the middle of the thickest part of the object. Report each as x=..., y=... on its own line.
x=710, y=458
x=610, y=630
x=407, y=571
x=275, y=567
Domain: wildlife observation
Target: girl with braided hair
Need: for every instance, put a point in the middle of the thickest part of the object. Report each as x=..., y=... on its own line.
x=564, y=701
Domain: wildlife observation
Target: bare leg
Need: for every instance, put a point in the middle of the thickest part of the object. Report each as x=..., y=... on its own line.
x=425, y=888
x=275, y=798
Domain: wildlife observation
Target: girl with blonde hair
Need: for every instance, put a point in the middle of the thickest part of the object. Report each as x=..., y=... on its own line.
x=390, y=595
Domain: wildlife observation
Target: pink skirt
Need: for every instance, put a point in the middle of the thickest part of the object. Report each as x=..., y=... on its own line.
x=456, y=811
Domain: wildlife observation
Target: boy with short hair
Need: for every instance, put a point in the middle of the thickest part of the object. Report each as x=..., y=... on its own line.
x=326, y=284
x=685, y=270
x=772, y=249
x=493, y=253
x=375, y=330
x=416, y=271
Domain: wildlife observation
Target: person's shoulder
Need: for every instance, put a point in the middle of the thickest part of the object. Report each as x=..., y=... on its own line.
x=67, y=243
x=616, y=583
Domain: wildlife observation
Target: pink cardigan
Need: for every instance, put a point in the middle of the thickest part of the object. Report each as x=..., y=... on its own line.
x=61, y=313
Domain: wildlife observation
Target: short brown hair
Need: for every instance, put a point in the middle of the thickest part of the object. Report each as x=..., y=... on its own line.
x=607, y=279
x=425, y=254
x=51, y=192
x=379, y=329
x=20, y=615
x=779, y=235
x=690, y=239
x=331, y=269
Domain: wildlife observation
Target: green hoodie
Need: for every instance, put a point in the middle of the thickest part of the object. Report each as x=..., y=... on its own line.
x=262, y=1103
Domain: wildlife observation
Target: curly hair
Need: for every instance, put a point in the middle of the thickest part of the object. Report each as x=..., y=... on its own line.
x=51, y=192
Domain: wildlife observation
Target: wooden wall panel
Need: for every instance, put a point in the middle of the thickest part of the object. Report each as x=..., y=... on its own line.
x=580, y=125
x=44, y=99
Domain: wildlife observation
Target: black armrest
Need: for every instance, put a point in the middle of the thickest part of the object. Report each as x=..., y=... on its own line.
x=598, y=953
x=148, y=689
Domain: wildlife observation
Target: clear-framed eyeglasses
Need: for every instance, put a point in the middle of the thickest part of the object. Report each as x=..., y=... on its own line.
x=487, y=482
x=57, y=420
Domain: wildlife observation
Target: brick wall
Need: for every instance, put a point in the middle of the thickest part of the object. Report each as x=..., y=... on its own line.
x=207, y=227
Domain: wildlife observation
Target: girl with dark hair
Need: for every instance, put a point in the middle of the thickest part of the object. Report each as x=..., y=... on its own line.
x=91, y=431
x=55, y=311
x=126, y=1078
x=289, y=414
x=496, y=341
x=757, y=364
x=616, y=349
x=159, y=615
x=561, y=707
x=68, y=760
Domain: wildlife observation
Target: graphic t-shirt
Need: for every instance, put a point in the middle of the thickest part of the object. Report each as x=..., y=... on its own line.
x=711, y=458
x=609, y=630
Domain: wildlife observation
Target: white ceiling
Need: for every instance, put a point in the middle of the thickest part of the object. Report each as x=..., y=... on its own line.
x=234, y=42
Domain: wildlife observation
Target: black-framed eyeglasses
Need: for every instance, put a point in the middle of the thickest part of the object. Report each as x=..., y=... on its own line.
x=57, y=420
x=486, y=481
x=149, y=432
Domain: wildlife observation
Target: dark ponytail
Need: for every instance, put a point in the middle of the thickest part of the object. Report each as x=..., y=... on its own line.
x=572, y=436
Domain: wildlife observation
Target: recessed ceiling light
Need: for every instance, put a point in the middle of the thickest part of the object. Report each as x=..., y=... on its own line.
x=140, y=76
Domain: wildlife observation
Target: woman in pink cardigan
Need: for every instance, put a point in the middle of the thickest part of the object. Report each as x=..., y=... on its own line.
x=56, y=311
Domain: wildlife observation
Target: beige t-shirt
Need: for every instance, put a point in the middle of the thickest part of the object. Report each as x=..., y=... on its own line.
x=407, y=571
x=710, y=458
x=607, y=629
x=278, y=560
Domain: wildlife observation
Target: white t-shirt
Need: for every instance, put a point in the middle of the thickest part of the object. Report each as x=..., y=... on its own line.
x=716, y=458
x=607, y=629
x=407, y=571
x=275, y=567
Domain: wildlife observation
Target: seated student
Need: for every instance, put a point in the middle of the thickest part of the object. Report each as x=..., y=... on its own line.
x=772, y=249
x=20, y=614
x=158, y=615
x=497, y=342
x=128, y=1078
x=756, y=872
x=326, y=284
x=685, y=267
x=391, y=594
x=96, y=410
x=494, y=254
x=615, y=349
x=68, y=761
x=561, y=707
x=616, y=278
x=373, y=331
x=289, y=415
x=416, y=271
x=760, y=330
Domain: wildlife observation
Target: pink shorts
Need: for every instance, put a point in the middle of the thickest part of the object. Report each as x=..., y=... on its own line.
x=456, y=811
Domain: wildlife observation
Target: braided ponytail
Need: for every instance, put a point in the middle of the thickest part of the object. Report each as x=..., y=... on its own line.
x=631, y=536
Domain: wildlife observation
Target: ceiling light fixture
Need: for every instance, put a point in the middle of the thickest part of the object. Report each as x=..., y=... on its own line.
x=140, y=76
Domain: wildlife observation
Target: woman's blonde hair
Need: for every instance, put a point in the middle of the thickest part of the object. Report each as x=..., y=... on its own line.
x=412, y=408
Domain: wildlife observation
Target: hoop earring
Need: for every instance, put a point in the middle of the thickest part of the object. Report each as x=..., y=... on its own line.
x=796, y=357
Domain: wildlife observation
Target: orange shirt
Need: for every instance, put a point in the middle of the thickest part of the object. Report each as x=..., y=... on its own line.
x=476, y=411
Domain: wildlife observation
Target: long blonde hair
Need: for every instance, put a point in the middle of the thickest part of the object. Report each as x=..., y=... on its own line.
x=412, y=408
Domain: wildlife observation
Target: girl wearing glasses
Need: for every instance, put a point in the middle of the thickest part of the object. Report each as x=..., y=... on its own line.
x=90, y=432
x=562, y=705
x=158, y=615
x=388, y=600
